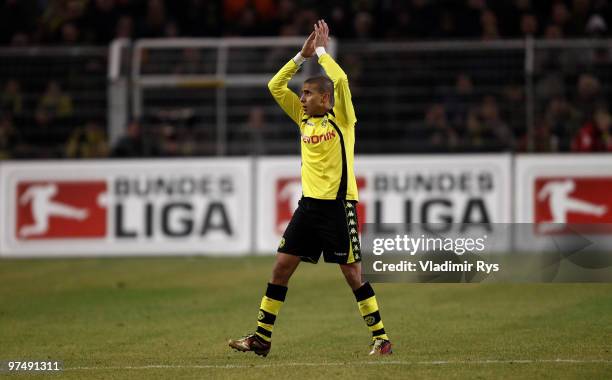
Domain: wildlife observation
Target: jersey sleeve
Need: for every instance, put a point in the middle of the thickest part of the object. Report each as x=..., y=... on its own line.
x=343, y=107
x=286, y=99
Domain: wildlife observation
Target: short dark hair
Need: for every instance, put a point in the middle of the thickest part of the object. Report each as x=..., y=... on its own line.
x=325, y=85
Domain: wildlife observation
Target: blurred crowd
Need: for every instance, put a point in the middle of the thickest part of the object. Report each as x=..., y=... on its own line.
x=70, y=22
x=51, y=130
x=55, y=130
x=464, y=121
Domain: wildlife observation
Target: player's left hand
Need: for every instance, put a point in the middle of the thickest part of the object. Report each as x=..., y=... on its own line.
x=322, y=34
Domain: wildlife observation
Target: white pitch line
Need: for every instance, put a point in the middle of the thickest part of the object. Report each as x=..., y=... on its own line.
x=272, y=365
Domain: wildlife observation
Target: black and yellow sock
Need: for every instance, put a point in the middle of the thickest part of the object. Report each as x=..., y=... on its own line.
x=270, y=306
x=368, y=307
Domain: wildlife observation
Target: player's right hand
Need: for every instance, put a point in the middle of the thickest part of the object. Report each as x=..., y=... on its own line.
x=308, y=49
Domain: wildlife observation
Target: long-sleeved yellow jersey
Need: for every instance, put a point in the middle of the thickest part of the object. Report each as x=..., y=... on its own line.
x=328, y=141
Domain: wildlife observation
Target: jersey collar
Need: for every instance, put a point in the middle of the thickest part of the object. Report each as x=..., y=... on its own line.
x=330, y=112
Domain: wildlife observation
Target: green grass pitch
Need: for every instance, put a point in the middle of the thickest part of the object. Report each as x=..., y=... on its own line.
x=171, y=318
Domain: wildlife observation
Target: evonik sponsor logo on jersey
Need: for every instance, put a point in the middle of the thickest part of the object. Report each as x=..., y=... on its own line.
x=315, y=139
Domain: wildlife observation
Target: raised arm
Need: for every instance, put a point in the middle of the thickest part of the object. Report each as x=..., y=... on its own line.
x=343, y=106
x=287, y=99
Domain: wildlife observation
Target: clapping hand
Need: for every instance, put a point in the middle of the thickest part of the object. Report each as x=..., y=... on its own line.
x=321, y=34
x=308, y=49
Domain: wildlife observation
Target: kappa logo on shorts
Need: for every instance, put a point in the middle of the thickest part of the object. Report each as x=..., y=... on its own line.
x=353, y=227
x=340, y=253
x=282, y=243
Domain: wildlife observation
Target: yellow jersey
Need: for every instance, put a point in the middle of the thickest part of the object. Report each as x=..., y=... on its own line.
x=328, y=141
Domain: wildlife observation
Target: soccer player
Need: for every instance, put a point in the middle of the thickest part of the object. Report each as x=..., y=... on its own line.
x=326, y=218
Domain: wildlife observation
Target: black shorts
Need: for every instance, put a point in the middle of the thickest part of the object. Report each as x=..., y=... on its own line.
x=323, y=226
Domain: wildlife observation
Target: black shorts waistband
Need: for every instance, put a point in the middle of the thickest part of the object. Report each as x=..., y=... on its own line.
x=318, y=204
x=325, y=201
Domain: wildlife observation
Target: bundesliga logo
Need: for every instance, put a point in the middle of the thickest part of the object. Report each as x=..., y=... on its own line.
x=571, y=200
x=61, y=209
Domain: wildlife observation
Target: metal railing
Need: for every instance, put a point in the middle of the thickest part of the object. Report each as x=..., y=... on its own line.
x=204, y=77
